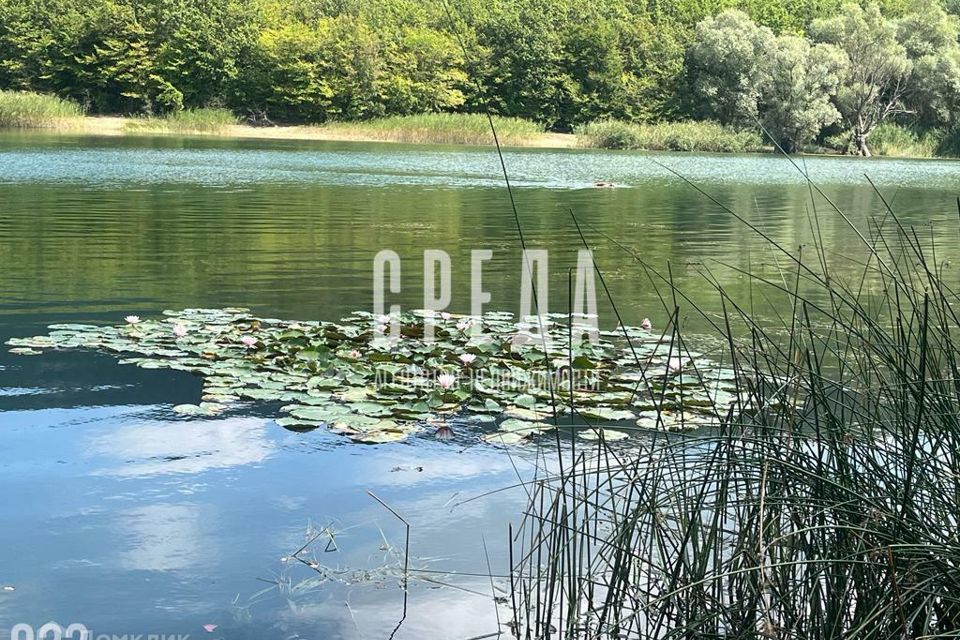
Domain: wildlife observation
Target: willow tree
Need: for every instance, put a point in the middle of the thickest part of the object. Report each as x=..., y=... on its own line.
x=876, y=80
x=727, y=64
x=799, y=83
x=930, y=36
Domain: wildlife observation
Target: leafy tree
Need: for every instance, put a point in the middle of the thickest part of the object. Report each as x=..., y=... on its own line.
x=115, y=67
x=875, y=81
x=561, y=63
x=424, y=73
x=930, y=36
x=800, y=82
x=727, y=64
x=201, y=46
x=937, y=89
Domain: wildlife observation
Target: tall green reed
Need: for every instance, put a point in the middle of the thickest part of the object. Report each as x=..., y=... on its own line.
x=438, y=128
x=824, y=503
x=30, y=110
x=209, y=120
x=669, y=136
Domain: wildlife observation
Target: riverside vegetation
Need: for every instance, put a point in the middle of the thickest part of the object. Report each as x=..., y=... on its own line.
x=811, y=74
x=825, y=502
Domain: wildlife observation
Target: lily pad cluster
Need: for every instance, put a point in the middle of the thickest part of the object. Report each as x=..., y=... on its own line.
x=521, y=378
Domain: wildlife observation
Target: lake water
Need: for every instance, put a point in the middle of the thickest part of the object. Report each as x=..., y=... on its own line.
x=121, y=515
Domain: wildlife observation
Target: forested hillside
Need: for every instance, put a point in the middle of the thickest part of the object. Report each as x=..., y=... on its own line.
x=798, y=66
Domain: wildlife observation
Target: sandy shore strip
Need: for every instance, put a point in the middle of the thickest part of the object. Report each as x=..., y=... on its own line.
x=121, y=126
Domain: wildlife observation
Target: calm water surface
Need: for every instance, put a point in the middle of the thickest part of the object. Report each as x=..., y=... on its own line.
x=121, y=515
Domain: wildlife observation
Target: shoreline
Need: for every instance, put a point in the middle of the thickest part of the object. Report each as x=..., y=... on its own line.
x=120, y=126
x=127, y=126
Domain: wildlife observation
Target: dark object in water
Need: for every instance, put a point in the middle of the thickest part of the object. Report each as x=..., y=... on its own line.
x=603, y=184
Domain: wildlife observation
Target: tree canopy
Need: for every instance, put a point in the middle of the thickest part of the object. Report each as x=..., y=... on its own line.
x=794, y=66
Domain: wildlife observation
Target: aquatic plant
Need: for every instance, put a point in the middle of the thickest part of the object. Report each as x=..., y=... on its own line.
x=341, y=375
x=827, y=507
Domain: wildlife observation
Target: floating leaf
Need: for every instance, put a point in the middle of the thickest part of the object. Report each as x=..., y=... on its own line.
x=513, y=425
x=608, y=434
x=522, y=413
x=506, y=438
x=333, y=373
x=380, y=437
x=202, y=409
x=606, y=414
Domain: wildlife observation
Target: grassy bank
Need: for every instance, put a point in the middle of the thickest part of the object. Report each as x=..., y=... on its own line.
x=669, y=136
x=439, y=128
x=28, y=110
x=894, y=140
x=191, y=121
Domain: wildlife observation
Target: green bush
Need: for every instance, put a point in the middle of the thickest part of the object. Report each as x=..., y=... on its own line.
x=26, y=109
x=890, y=139
x=669, y=136
x=210, y=120
x=948, y=144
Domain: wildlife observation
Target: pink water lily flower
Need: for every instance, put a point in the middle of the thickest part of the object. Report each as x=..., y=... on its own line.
x=249, y=341
x=132, y=319
x=179, y=330
x=463, y=325
x=446, y=380
x=444, y=432
x=467, y=358
x=355, y=354
x=674, y=365
x=646, y=325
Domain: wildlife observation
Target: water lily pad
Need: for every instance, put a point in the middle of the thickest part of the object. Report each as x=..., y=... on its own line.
x=26, y=351
x=608, y=434
x=523, y=413
x=332, y=373
x=606, y=414
x=380, y=437
x=506, y=438
x=202, y=409
x=513, y=425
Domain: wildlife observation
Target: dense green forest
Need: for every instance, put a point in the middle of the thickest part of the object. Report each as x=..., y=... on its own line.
x=804, y=69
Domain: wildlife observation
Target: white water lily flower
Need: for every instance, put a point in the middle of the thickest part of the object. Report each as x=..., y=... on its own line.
x=132, y=319
x=179, y=330
x=467, y=358
x=249, y=341
x=446, y=380
x=674, y=365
